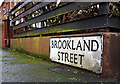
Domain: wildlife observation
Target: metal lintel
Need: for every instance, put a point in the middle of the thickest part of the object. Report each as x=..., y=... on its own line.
x=104, y=8
x=30, y=10
x=63, y=9
x=87, y=23
x=114, y=21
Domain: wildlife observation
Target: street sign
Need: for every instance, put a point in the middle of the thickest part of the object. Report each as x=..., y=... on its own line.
x=83, y=52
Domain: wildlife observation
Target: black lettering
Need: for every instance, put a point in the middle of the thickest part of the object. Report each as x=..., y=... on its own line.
x=79, y=46
x=94, y=41
x=55, y=44
x=87, y=45
x=71, y=57
x=59, y=42
x=62, y=55
x=66, y=57
x=64, y=44
x=73, y=45
x=75, y=58
x=58, y=56
x=81, y=58
x=68, y=44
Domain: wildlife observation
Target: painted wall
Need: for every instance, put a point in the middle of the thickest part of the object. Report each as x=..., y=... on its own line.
x=39, y=45
x=110, y=57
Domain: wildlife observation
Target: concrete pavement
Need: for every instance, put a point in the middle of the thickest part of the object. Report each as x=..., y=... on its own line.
x=17, y=67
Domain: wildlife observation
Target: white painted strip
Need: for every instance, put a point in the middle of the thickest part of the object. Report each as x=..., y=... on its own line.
x=84, y=52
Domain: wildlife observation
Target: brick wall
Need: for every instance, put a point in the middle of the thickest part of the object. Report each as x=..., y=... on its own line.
x=0, y=14
x=3, y=30
x=0, y=36
x=4, y=34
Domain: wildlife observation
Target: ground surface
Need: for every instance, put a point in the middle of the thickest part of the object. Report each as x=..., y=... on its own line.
x=18, y=68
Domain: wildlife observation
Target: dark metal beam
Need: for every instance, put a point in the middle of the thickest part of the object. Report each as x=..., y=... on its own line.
x=114, y=21
x=104, y=8
x=87, y=23
x=63, y=9
x=30, y=10
x=16, y=6
x=8, y=36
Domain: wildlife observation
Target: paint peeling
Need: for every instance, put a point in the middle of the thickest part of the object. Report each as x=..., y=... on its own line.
x=83, y=52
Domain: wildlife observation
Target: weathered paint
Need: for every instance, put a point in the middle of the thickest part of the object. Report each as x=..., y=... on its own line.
x=14, y=43
x=111, y=48
x=111, y=53
x=84, y=52
x=39, y=45
x=44, y=46
x=54, y=30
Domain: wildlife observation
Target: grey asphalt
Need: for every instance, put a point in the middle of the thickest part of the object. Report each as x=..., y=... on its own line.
x=19, y=68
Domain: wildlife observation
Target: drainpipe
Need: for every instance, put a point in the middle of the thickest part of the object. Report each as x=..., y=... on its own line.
x=8, y=24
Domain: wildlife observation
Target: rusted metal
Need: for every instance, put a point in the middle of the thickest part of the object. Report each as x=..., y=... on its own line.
x=114, y=53
x=111, y=55
x=47, y=16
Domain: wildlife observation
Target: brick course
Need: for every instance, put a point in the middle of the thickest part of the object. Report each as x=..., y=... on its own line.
x=3, y=29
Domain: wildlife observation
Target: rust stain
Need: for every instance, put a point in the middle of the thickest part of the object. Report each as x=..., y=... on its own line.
x=44, y=44
x=111, y=50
